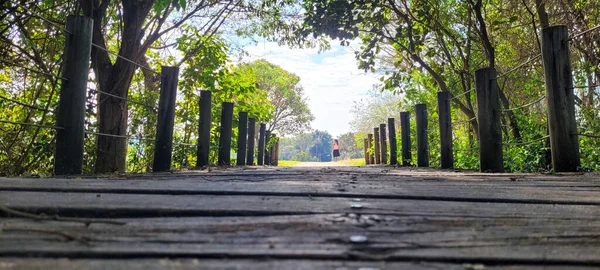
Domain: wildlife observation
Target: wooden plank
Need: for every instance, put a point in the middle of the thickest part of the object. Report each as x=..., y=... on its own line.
x=389, y=238
x=138, y=205
x=251, y=264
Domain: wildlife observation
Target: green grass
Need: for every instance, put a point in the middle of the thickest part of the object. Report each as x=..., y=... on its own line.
x=353, y=162
x=287, y=163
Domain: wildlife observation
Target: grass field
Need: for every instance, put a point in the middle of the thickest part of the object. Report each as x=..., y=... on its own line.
x=288, y=163
x=345, y=162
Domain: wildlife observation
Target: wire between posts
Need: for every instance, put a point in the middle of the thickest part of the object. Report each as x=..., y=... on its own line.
x=461, y=94
x=23, y=104
x=34, y=71
x=526, y=143
x=29, y=124
x=125, y=58
x=519, y=66
x=583, y=33
x=587, y=135
x=122, y=98
x=585, y=86
x=44, y=19
x=525, y=105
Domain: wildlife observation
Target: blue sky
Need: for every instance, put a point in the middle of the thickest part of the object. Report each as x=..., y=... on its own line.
x=331, y=80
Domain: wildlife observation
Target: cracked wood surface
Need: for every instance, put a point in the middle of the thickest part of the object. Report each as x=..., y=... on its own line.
x=303, y=218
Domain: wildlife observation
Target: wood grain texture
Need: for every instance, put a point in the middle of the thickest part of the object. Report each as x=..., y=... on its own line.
x=304, y=218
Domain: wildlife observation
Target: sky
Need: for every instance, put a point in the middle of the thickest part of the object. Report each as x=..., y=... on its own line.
x=331, y=80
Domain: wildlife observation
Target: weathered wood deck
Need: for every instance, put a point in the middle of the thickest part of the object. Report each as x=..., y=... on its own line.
x=303, y=218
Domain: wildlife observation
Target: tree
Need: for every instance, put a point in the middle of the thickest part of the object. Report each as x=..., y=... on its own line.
x=133, y=27
x=375, y=109
x=292, y=114
x=349, y=148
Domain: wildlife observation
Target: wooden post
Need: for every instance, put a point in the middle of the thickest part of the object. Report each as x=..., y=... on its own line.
x=383, y=143
x=488, y=114
x=366, y=147
x=377, y=146
x=225, y=134
x=242, y=137
x=422, y=140
x=163, y=148
x=393, y=145
x=251, y=140
x=371, y=155
x=406, y=144
x=203, y=150
x=276, y=153
x=268, y=149
x=261, y=144
x=564, y=142
x=68, y=157
x=446, y=156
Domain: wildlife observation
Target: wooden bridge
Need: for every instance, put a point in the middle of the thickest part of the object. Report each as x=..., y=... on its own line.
x=302, y=218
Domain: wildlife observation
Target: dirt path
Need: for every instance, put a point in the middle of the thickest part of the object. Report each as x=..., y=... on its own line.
x=322, y=164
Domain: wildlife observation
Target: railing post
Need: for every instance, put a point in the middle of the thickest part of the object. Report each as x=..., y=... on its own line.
x=393, y=145
x=225, y=134
x=68, y=157
x=445, y=122
x=371, y=155
x=366, y=147
x=251, y=140
x=242, y=137
x=488, y=114
x=261, y=144
x=406, y=144
x=276, y=153
x=377, y=146
x=163, y=148
x=564, y=142
x=203, y=150
x=383, y=143
x=268, y=148
x=422, y=140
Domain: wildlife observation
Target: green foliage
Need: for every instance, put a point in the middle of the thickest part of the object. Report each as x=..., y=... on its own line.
x=314, y=146
x=291, y=114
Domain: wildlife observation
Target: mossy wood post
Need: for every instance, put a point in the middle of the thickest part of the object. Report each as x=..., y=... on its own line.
x=68, y=158
x=377, y=146
x=163, y=147
x=268, y=148
x=261, y=144
x=406, y=143
x=383, y=144
x=422, y=141
x=276, y=153
x=251, y=140
x=488, y=114
x=225, y=134
x=393, y=145
x=242, y=138
x=371, y=155
x=366, y=148
x=445, y=123
x=564, y=142
x=203, y=149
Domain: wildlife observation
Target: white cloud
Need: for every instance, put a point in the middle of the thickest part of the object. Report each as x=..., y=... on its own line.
x=331, y=80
